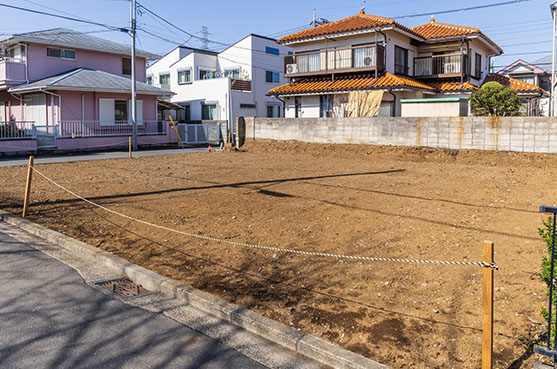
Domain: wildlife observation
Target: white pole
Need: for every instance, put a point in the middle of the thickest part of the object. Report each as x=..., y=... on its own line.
x=552, y=90
x=134, y=96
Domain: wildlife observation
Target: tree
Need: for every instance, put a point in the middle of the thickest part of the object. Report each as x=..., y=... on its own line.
x=496, y=99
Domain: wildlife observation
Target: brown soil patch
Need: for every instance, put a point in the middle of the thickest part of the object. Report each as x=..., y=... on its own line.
x=345, y=199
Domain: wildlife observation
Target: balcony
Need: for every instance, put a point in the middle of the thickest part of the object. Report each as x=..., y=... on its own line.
x=346, y=60
x=12, y=73
x=240, y=85
x=440, y=66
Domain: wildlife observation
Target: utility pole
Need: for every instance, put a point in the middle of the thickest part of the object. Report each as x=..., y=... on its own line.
x=553, y=8
x=133, y=11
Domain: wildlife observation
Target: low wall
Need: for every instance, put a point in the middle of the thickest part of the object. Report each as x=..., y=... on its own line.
x=13, y=146
x=522, y=134
x=7, y=146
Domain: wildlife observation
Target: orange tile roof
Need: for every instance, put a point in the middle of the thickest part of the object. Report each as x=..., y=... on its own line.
x=434, y=30
x=448, y=86
x=514, y=84
x=354, y=23
x=348, y=83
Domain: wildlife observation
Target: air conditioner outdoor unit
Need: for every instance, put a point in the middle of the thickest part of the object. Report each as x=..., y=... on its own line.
x=368, y=61
x=452, y=68
x=291, y=68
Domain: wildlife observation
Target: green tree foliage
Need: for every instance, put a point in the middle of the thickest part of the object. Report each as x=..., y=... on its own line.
x=496, y=99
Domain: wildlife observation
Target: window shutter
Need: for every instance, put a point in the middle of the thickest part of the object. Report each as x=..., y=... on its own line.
x=472, y=62
x=106, y=111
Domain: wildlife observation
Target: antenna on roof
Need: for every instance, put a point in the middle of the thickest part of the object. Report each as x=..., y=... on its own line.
x=364, y=7
x=205, y=37
x=314, y=18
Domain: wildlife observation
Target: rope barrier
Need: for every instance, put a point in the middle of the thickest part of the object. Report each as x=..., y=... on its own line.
x=269, y=248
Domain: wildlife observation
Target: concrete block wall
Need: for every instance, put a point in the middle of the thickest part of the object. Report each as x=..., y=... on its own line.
x=521, y=134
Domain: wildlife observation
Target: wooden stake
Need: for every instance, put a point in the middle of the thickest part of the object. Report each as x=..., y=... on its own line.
x=487, y=307
x=130, y=146
x=28, y=184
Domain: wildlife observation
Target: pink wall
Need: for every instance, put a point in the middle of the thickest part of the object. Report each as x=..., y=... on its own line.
x=42, y=66
x=18, y=145
x=71, y=104
x=13, y=108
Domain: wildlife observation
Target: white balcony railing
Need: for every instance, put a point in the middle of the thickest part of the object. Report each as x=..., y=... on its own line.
x=438, y=65
x=95, y=128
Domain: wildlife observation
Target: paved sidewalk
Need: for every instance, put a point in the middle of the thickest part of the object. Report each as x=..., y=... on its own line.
x=51, y=318
x=68, y=158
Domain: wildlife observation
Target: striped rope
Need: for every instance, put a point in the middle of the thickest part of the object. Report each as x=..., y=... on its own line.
x=269, y=248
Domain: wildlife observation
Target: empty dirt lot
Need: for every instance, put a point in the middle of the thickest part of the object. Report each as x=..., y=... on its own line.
x=343, y=199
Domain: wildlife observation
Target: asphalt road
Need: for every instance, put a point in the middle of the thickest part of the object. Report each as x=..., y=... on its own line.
x=68, y=158
x=50, y=318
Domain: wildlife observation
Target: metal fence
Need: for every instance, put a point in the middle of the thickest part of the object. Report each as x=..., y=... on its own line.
x=95, y=128
x=201, y=133
x=17, y=130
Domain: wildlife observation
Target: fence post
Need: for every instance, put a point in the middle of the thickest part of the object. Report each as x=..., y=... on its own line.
x=130, y=146
x=28, y=184
x=487, y=307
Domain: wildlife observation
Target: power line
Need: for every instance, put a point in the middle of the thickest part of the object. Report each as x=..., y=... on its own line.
x=64, y=17
x=462, y=9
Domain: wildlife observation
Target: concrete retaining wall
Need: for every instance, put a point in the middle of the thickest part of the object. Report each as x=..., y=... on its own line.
x=522, y=134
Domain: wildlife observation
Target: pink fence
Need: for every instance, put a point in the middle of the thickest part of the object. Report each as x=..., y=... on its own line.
x=72, y=129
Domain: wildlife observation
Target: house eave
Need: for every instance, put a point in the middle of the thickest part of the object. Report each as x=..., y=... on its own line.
x=85, y=89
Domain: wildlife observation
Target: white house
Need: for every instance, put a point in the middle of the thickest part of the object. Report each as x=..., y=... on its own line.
x=224, y=85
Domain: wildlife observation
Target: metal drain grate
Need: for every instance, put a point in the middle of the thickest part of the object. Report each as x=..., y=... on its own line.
x=123, y=287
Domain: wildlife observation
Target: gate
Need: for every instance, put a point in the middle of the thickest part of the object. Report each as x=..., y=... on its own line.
x=204, y=133
x=46, y=136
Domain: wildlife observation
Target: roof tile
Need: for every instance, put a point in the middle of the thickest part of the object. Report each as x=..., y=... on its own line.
x=514, y=84
x=354, y=23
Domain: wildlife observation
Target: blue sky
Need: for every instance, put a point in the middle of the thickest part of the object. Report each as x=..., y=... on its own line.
x=523, y=29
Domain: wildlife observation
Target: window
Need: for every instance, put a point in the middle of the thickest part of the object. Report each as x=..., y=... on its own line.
x=298, y=106
x=54, y=52
x=149, y=80
x=184, y=76
x=207, y=74
x=401, y=61
x=272, y=77
x=478, y=66
x=113, y=111
x=127, y=66
x=247, y=106
x=121, y=111
x=232, y=73
x=273, y=111
x=209, y=112
x=364, y=57
x=325, y=106
x=184, y=115
x=164, y=79
x=272, y=50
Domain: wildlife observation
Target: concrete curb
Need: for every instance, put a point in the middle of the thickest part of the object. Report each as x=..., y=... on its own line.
x=291, y=338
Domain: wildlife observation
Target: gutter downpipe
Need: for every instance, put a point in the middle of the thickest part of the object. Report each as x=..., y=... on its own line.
x=390, y=90
x=59, y=104
x=283, y=105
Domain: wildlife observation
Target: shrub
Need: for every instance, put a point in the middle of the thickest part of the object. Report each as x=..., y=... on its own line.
x=546, y=232
x=496, y=99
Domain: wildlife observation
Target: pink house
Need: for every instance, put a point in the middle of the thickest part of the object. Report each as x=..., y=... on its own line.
x=67, y=85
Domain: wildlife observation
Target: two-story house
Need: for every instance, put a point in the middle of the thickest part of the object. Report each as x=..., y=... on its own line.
x=59, y=75
x=366, y=65
x=532, y=82
x=223, y=85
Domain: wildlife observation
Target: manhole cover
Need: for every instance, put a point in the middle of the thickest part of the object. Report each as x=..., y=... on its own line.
x=123, y=287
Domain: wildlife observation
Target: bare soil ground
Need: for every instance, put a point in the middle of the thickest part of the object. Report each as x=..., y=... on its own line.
x=357, y=200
